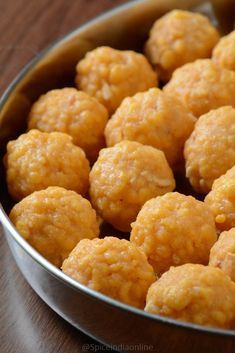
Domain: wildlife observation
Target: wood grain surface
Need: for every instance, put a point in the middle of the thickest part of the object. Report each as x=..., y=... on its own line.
x=27, y=325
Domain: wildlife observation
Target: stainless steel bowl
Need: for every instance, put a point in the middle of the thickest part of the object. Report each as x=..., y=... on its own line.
x=100, y=317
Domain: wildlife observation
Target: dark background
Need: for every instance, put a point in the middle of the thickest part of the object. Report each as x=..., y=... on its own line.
x=27, y=325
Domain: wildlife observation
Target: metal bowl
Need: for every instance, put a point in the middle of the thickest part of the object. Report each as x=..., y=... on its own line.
x=104, y=319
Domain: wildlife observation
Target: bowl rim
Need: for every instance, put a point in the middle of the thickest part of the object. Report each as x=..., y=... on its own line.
x=53, y=270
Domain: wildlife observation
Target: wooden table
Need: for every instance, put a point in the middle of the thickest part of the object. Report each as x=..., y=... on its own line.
x=27, y=324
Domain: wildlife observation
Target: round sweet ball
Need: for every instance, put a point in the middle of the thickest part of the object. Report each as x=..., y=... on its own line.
x=210, y=150
x=222, y=253
x=38, y=159
x=203, y=86
x=54, y=220
x=124, y=177
x=112, y=266
x=147, y=118
x=73, y=112
x=196, y=294
x=177, y=38
x=111, y=75
x=224, y=52
x=221, y=200
x=174, y=229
